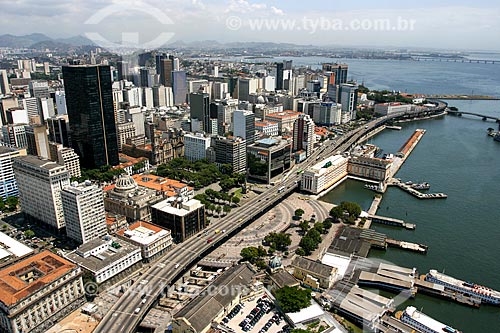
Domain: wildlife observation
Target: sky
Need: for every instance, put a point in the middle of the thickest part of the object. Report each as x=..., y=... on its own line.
x=459, y=24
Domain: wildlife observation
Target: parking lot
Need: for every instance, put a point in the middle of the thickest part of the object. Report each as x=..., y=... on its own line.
x=258, y=315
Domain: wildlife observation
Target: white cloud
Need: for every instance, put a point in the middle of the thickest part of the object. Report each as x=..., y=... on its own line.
x=277, y=11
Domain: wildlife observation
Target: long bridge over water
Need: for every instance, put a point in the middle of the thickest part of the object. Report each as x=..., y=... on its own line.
x=484, y=117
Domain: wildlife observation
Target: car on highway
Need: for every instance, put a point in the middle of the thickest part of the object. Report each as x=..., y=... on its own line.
x=209, y=240
x=137, y=310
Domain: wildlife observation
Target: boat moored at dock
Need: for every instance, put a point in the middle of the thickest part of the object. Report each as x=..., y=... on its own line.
x=486, y=295
x=423, y=323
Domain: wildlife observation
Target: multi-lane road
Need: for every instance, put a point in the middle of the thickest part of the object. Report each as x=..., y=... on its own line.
x=129, y=309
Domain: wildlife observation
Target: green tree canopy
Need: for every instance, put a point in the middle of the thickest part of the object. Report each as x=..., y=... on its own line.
x=278, y=241
x=299, y=212
x=293, y=299
x=29, y=233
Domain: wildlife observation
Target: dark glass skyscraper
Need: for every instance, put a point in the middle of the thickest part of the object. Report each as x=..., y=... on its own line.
x=89, y=101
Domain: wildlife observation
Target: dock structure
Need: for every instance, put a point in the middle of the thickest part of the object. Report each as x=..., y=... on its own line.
x=390, y=277
x=392, y=221
x=420, y=248
x=362, y=306
x=414, y=192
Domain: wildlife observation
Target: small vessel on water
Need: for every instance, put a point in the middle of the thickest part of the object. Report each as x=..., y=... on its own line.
x=421, y=186
x=497, y=137
x=376, y=188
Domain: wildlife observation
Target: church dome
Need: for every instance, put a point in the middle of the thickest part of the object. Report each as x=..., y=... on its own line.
x=125, y=183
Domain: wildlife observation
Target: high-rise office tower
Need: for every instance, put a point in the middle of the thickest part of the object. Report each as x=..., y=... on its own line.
x=59, y=130
x=37, y=140
x=40, y=183
x=83, y=206
x=123, y=70
x=179, y=86
x=166, y=68
x=4, y=83
x=200, y=108
x=348, y=97
x=60, y=97
x=232, y=150
x=39, y=89
x=89, y=102
x=340, y=71
x=14, y=135
x=327, y=113
x=8, y=184
x=303, y=134
x=279, y=75
x=244, y=125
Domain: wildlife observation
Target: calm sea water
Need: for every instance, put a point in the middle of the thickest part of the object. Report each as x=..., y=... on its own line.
x=413, y=76
x=463, y=232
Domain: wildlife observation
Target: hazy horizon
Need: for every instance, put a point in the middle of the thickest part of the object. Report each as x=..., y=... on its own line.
x=447, y=25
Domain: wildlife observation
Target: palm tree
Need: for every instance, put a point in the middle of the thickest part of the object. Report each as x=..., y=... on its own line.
x=226, y=209
x=218, y=209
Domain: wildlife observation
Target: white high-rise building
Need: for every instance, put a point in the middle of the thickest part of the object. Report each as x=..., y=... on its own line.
x=8, y=184
x=133, y=96
x=147, y=98
x=244, y=125
x=303, y=134
x=61, y=102
x=270, y=83
x=195, y=146
x=83, y=206
x=15, y=135
x=68, y=158
x=40, y=183
x=327, y=113
x=220, y=90
x=4, y=82
x=196, y=85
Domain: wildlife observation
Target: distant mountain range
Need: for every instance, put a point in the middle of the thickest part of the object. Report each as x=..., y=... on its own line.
x=41, y=41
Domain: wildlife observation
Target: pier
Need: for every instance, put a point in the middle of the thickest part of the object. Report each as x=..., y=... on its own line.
x=409, y=189
x=397, y=128
x=420, y=248
x=392, y=222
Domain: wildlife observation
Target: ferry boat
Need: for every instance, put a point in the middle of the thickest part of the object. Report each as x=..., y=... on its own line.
x=421, y=186
x=423, y=323
x=376, y=188
x=486, y=295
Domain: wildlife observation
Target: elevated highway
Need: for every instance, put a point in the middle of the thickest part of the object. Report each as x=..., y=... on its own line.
x=124, y=316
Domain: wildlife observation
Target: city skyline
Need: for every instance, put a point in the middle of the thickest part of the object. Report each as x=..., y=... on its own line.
x=447, y=25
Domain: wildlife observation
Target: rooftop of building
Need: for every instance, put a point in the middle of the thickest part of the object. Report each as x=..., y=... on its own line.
x=283, y=278
x=200, y=311
x=127, y=161
x=263, y=123
x=327, y=162
x=9, y=248
x=143, y=232
x=30, y=275
x=313, y=266
x=284, y=114
x=113, y=218
x=183, y=209
x=115, y=251
x=80, y=188
x=39, y=162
